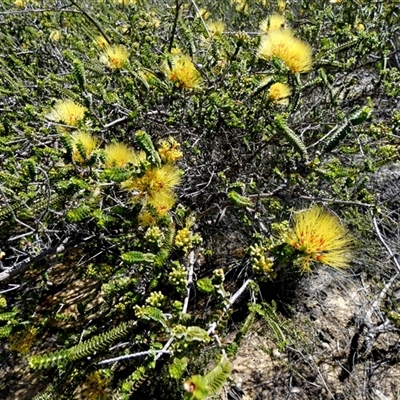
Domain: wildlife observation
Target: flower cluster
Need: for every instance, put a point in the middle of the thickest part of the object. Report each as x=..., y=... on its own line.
x=260, y=262
x=182, y=72
x=119, y=155
x=68, y=112
x=279, y=92
x=154, y=235
x=186, y=240
x=319, y=236
x=115, y=57
x=155, y=187
x=296, y=54
x=177, y=277
x=183, y=239
x=169, y=150
x=84, y=144
x=156, y=299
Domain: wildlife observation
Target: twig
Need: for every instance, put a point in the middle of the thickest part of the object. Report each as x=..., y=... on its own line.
x=140, y=354
x=164, y=350
x=238, y=293
x=354, y=203
x=117, y=121
x=185, y=304
x=92, y=20
x=201, y=18
x=24, y=264
x=389, y=250
x=376, y=303
x=213, y=326
x=374, y=331
x=189, y=282
x=269, y=194
x=14, y=286
x=175, y=24
x=13, y=213
x=39, y=10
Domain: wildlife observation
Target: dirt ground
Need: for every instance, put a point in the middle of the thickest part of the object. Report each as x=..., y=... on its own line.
x=330, y=357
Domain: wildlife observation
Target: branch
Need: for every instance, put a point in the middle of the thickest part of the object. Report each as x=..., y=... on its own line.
x=189, y=282
x=24, y=264
x=140, y=354
x=389, y=250
x=92, y=20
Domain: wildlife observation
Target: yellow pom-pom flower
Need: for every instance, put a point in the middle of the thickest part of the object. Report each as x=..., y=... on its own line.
x=278, y=93
x=272, y=23
x=182, y=72
x=115, y=57
x=320, y=237
x=88, y=144
x=216, y=28
x=169, y=150
x=147, y=218
x=296, y=54
x=161, y=201
x=68, y=112
x=119, y=154
x=155, y=187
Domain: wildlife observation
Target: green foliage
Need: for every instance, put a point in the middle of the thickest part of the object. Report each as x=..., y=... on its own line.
x=178, y=366
x=205, y=285
x=69, y=226
x=8, y=319
x=200, y=387
x=146, y=144
x=48, y=394
x=291, y=136
x=340, y=132
x=191, y=333
x=133, y=257
x=239, y=200
x=162, y=256
x=78, y=214
x=136, y=379
x=245, y=328
x=269, y=314
x=79, y=73
x=84, y=349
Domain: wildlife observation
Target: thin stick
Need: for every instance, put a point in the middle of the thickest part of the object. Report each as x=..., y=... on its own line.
x=201, y=17
x=354, y=203
x=175, y=24
x=189, y=282
x=389, y=250
x=127, y=356
x=185, y=305
x=92, y=20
